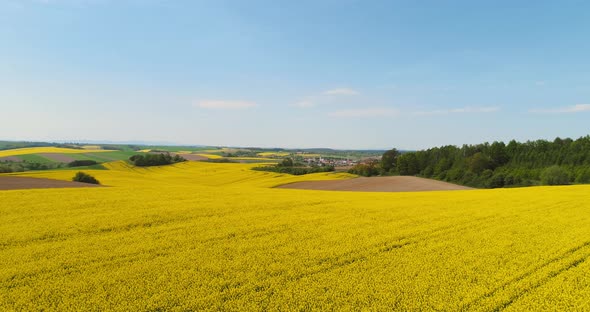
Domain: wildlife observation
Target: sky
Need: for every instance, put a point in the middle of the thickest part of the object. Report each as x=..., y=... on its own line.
x=296, y=74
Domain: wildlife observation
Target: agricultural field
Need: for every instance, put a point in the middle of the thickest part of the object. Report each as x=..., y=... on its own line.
x=254, y=159
x=53, y=150
x=54, y=158
x=377, y=184
x=37, y=158
x=210, y=156
x=180, y=149
x=56, y=154
x=309, y=155
x=207, y=236
x=274, y=154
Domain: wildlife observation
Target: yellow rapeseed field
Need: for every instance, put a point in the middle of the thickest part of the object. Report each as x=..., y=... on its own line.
x=37, y=150
x=205, y=236
x=273, y=154
x=227, y=175
x=253, y=158
x=211, y=156
x=92, y=147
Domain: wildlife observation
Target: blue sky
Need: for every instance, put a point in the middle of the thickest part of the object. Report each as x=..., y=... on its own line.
x=340, y=74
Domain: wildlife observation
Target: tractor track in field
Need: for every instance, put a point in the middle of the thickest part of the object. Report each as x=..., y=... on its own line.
x=572, y=259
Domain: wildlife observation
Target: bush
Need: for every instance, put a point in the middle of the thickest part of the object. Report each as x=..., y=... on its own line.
x=80, y=163
x=367, y=169
x=84, y=178
x=555, y=175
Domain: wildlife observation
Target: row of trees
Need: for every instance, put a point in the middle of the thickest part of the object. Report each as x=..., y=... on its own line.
x=82, y=163
x=240, y=153
x=146, y=160
x=372, y=168
x=20, y=166
x=561, y=161
x=287, y=165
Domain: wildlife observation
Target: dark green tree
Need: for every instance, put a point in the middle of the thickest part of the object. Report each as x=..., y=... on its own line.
x=287, y=162
x=407, y=164
x=479, y=162
x=498, y=154
x=484, y=165
x=555, y=175
x=389, y=160
x=366, y=169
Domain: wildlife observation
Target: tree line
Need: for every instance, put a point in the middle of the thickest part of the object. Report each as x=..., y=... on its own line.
x=492, y=165
x=289, y=166
x=156, y=159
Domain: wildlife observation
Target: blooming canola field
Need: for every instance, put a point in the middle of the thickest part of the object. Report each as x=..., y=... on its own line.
x=209, y=236
x=54, y=150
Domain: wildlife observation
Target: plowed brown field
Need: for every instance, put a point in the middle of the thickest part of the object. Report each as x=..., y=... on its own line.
x=378, y=184
x=18, y=183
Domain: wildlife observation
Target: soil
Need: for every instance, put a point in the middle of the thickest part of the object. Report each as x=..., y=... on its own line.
x=378, y=184
x=192, y=157
x=10, y=158
x=20, y=183
x=57, y=157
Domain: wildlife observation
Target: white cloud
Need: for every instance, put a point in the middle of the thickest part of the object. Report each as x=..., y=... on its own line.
x=475, y=109
x=223, y=104
x=305, y=103
x=326, y=97
x=341, y=91
x=463, y=110
x=578, y=108
x=365, y=113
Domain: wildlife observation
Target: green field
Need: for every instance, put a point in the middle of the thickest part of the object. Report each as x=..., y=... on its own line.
x=104, y=156
x=36, y=158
